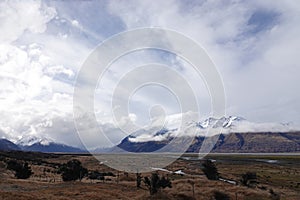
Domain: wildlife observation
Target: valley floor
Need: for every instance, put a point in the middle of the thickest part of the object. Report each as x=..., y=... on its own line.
x=279, y=173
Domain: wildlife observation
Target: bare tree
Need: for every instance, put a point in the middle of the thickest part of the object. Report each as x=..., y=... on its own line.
x=154, y=183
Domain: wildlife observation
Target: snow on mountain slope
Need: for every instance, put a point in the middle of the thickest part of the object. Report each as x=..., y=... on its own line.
x=208, y=127
x=32, y=139
x=43, y=144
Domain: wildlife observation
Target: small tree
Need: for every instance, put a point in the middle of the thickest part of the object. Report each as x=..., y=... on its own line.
x=138, y=180
x=155, y=183
x=210, y=170
x=249, y=179
x=73, y=170
x=22, y=170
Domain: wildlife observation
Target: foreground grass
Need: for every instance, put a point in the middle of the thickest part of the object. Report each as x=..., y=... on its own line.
x=282, y=177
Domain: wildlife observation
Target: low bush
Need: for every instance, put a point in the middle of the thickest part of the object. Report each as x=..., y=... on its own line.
x=22, y=170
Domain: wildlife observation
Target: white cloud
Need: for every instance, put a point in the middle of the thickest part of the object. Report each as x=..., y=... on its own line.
x=132, y=117
x=176, y=128
x=75, y=23
x=19, y=16
x=37, y=72
x=253, y=44
x=147, y=138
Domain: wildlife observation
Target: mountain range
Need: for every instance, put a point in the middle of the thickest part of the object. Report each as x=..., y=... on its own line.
x=263, y=142
x=33, y=143
x=230, y=134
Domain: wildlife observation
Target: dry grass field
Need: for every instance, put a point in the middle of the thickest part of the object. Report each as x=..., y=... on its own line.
x=281, y=174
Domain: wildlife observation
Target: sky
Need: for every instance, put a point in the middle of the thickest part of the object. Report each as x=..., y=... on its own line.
x=254, y=45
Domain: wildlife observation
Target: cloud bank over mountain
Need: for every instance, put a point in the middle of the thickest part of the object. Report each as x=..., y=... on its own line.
x=206, y=128
x=43, y=44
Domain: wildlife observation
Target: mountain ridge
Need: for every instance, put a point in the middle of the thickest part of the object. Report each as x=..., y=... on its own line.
x=6, y=145
x=230, y=134
x=263, y=142
x=49, y=147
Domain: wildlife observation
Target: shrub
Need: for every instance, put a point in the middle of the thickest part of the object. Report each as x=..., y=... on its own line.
x=249, y=179
x=95, y=175
x=72, y=171
x=210, y=170
x=22, y=170
x=99, y=175
x=155, y=183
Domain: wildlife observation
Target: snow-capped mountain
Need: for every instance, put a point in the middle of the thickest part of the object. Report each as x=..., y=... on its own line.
x=230, y=134
x=234, y=134
x=43, y=144
x=32, y=139
x=224, y=122
x=208, y=127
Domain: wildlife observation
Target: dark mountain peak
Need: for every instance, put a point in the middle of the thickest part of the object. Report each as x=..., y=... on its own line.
x=51, y=147
x=7, y=145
